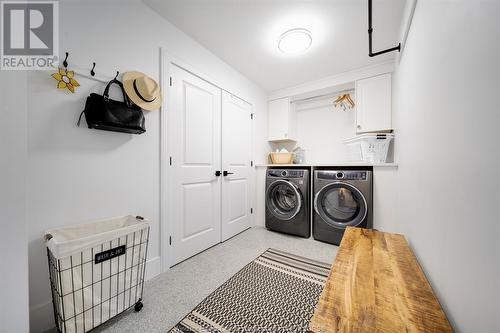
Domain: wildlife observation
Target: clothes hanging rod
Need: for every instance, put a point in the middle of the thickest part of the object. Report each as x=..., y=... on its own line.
x=370, y=32
x=324, y=96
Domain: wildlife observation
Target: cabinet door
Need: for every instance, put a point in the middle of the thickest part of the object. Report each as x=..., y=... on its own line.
x=278, y=119
x=373, y=104
x=292, y=122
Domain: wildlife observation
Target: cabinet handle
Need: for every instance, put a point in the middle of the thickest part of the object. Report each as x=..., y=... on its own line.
x=286, y=135
x=359, y=126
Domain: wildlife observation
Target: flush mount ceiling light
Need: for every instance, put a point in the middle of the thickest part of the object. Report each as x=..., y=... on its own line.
x=295, y=41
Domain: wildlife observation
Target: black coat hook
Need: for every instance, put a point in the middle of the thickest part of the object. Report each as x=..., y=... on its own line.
x=117, y=72
x=92, y=72
x=65, y=62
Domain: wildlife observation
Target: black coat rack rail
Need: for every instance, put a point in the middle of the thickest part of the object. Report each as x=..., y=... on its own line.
x=85, y=72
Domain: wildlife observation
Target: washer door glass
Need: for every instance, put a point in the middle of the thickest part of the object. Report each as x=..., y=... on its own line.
x=340, y=205
x=283, y=199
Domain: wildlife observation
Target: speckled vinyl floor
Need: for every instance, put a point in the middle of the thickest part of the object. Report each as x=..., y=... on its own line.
x=171, y=295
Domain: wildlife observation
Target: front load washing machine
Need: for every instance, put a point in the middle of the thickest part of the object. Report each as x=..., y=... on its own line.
x=342, y=198
x=287, y=201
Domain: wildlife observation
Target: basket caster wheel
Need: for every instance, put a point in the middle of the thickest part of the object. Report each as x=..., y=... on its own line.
x=138, y=306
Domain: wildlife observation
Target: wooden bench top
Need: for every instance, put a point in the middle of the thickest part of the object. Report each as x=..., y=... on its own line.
x=377, y=285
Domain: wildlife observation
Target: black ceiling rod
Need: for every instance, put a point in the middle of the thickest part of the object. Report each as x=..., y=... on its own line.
x=370, y=31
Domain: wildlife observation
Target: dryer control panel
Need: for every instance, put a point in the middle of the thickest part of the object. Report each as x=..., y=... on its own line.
x=288, y=173
x=343, y=175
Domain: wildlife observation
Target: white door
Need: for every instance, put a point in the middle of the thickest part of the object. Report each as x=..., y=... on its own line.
x=236, y=164
x=195, y=145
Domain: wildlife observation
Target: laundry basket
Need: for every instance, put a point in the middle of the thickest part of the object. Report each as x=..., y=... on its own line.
x=96, y=271
x=281, y=158
x=369, y=148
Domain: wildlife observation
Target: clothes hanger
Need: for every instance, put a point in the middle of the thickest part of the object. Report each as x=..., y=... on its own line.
x=350, y=101
x=342, y=100
x=339, y=99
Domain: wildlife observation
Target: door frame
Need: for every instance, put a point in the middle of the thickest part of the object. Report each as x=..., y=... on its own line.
x=167, y=60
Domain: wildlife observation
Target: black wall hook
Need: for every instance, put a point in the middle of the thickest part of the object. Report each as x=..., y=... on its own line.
x=92, y=72
x=65, y=62
x=117, y=72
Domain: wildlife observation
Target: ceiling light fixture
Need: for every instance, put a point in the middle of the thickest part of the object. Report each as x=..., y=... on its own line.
x=295, y=41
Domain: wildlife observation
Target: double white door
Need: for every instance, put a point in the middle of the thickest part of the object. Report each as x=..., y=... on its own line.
x=210, y=172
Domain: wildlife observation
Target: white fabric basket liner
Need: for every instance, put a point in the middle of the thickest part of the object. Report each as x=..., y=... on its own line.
x=63, y=242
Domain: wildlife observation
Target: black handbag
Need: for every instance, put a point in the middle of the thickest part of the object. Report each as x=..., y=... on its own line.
x=106, y=114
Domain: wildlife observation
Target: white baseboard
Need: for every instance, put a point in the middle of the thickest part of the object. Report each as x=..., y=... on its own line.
x=153, y=268
x=42, y=315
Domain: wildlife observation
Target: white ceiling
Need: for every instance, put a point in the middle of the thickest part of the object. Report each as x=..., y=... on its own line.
x=244, y=33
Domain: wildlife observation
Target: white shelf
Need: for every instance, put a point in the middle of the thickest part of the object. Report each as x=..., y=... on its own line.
x=337, y=164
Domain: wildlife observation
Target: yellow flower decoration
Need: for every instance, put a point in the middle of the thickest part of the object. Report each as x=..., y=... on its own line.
x=65, y=79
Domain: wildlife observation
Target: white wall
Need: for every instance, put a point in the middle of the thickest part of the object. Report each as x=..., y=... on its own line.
x=13, y=247
x=76, y=174
x=321, y=130
x=447, y=118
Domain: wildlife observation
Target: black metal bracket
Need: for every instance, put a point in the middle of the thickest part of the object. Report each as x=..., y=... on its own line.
x=370, y=31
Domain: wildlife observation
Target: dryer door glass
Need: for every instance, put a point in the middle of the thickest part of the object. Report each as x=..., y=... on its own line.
x=341, y=205
x=283, y=200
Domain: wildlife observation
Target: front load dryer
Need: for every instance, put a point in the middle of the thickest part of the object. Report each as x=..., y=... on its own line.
x=342, y=198
x=287, y=201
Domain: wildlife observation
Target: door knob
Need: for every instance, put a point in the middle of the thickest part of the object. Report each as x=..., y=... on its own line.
x=227, y=173
x=217, y=173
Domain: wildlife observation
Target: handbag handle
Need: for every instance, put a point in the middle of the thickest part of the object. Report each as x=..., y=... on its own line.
x=106, y=91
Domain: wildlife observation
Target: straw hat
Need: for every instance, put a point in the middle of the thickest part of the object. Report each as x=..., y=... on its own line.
x=142, y=90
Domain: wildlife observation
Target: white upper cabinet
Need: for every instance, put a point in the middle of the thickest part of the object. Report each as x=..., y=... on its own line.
x=373, y=104
x=282, y=120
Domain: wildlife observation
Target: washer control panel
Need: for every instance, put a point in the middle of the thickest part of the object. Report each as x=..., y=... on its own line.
x=289, y=173
x=343, y=175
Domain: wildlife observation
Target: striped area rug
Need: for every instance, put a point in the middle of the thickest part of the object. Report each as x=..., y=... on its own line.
x=277, y=292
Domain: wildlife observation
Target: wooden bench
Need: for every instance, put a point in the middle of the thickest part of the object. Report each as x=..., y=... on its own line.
x=377, y=285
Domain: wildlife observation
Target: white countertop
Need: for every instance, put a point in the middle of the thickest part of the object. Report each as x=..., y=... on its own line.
x=334, y=164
